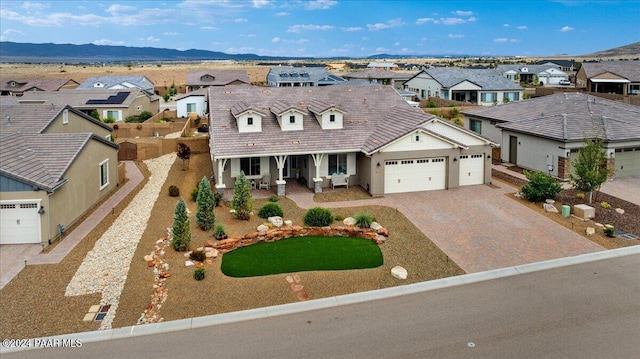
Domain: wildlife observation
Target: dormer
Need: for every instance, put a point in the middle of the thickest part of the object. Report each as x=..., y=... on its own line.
x=248, y=118
x=98, y=84
x=328, y=115
x=207, y=78
x=289, y=116
x=524, y=69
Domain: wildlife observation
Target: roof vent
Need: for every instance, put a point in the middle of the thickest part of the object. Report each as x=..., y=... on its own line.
x=9, y=119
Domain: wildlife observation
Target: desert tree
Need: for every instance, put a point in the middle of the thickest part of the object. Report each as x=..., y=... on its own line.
x=181, y=229
x=184, y=153
x=589, y=168
x=242, y=202
x=205, y=216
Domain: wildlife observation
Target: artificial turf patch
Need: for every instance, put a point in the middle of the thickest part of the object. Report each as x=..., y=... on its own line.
x=298, y=254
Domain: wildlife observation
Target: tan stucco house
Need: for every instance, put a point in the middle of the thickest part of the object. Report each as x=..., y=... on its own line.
x=616, y=77
x=56, y=163
x=367, y=133
x=199, y=79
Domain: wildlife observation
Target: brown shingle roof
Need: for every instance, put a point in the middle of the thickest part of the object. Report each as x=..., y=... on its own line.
x=219, y=77
x=627, y=69
x=39, y=84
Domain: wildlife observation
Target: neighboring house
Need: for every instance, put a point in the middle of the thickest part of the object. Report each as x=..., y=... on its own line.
x=382, y=66
x=368, y=133
x=17, y=87
x=192, y=102
x=545, y=133
x=381, y=77
x=117, y=104
x=562, y=65
x=479, y=87
x=199, y=79
x=548, y=74
x=118, y=83
x=337, y=67
x=617, y=77
x=301, y=77
x=56, y=164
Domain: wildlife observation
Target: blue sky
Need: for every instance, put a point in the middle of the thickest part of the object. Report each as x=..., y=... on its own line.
x=331, y=28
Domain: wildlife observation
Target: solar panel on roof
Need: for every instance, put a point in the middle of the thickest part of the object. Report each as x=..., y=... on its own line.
x=116, y=99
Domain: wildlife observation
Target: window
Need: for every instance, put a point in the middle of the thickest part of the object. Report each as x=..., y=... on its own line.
x=332, y=118
x=104, y=174
x=488, y=97
x=416, y=138
x=65, y=116
x=512, y=96
x=292, y=119
x=113, y=115
x=250, y=166
x=249, y=120
x=338, y=163
x=475, y=126
x=191, y=107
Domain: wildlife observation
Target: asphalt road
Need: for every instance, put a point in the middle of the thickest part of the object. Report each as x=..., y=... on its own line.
x=589, y=310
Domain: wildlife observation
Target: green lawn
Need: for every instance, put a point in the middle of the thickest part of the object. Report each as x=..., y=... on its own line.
x=299, y=254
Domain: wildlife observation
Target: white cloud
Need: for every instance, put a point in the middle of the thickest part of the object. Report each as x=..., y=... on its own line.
x=108, y=42
x=455, y=36
x=424, y=20
x=381, y=49
x=567, y=28
x=150, y=38
x=464, y=13
x=275, y=40
x=11, y=31
x=282, y=14
x=240, y=20
x=522, y=27
x=320, y=4
x=209, y=28
x=506, y=25
x=383, y=26
x=452, y=21
x=396, y=44
x=260, y=3
x=116, y=8
x=299, y=28
x=502, y=39
x=248, y=35
x=352, y=29
x=34, y=6
x=472, y=19
x=168, y=33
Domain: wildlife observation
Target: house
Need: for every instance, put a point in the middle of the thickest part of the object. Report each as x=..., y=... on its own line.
x=368, y=133
x=17, y=87
x=479, y=87
x=116, y=104
x=337, y=67
x=547, y=74
x=617, y=77
x=199, y=79
x=545, y=133
x=562, y=65
x=301, y=77
x=118, y=83
x=56, y=164
x=381, y=77
x=382, y=66
x=192, y=102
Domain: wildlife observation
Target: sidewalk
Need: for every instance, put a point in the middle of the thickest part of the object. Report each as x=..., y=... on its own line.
x=13, y=257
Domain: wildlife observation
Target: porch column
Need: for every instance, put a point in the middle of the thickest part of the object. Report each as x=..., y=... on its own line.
x=221, y=162
x=281, y=183
x=317, y=180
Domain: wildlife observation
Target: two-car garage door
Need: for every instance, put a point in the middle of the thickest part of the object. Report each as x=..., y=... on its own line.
x=412, y=175
x=19, y=222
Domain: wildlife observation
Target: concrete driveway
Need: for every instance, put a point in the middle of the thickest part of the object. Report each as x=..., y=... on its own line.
x=626, y=188
x=479, y=227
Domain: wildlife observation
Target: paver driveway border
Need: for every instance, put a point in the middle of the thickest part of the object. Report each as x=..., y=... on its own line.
x=478, y=227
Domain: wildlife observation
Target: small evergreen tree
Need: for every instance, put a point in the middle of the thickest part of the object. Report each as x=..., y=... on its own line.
x=181, y=227
x=95, y=114
x=205, y=217
x=590, y=168
x=242, y=201
x=184, y=153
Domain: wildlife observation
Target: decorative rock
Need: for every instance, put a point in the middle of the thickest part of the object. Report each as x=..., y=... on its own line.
x=211, y=254
x=276, y=221
x=550, y=201
x=297, y=287
x=209, y=244
x=165, y=275
x=349, y=221
x=189, y=264
x=620, y=210
x=591, y=231
x=199, y=265
x=148, y=258
x=599, y=224
x=549, y=208
x=399, y=272
x=151, y=263
x=583, y=211
x=375, y=226
x=517, y=195
x=208, y=249
x=187, y=254
x=200, y=249
x=380, y=238
x=288, y=223
x=383, y=232
x=160, y=240
x=208, y=261
x=262, y=228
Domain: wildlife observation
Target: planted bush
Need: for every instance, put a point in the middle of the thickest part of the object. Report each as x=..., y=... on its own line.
x=198, y=274
x=181, y=228
x=205, y=216
x=609, y=230
x=274, y=198
x=270, y=210
x=174, y=191
x=339, y=217
x=199, y=256
x=541, y=186
x=605, y=205
x=364, y=220
x=194, y=194
x=217, y=197
x=219, y=231
x=318, y=217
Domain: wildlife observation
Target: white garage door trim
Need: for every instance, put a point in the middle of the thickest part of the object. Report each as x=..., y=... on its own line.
x=627, y=162
x=20, y=222
x=471, y=169
x=413, y=175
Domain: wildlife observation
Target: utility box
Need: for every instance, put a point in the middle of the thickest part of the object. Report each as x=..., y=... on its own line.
x=583, y=211
x=566, y=210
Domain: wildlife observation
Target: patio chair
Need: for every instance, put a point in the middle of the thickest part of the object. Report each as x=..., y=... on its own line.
x=265, y=182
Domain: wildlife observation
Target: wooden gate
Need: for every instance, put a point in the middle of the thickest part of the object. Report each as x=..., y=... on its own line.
x=128, y=151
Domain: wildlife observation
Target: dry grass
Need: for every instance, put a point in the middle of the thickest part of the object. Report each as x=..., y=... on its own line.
x=353, y=193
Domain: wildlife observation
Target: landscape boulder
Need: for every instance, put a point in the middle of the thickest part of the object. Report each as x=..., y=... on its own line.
x=399, y=272
x=349, y=221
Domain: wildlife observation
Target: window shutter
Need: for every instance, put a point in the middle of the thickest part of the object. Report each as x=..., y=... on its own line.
x=235, y=167
x=351, y=164
x=324, y=165
x=264, y=165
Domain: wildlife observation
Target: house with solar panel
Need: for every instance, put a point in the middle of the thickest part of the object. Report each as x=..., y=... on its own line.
x=57, y=163
x=115, y=103
x=301, y=77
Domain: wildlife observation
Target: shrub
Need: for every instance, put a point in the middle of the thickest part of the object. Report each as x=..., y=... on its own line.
x=199, y=256
x=458, y=121
x=166, y=97
x=274, y=198
x=605, y=205
x=194, y=194
x=242, y=201
x=181, y=228
x=270, y=209
x=217, y=197
x=339, y=217
x=198, y=274
x=318, y=217
x=95, y=114
x=205, y=216
x=364, y=220
x=174, y=191
x=580, y=196
x=431, y=104
x=109, y=119
x=219, y=232
x=609, y=230
x=541, y=186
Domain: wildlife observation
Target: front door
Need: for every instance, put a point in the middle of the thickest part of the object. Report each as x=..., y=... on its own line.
x=513, y=150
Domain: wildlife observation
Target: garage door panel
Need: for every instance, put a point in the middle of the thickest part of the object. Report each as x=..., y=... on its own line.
x=19, y=223
x=471, y=169
x=411, y=175
x=627, y=163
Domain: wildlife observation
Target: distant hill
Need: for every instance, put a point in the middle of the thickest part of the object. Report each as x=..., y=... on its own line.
x=27, y=52
x=628, y=50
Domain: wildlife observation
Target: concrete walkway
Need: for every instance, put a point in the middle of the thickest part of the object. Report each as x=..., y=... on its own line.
x=478, y=227
x=13, y=257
